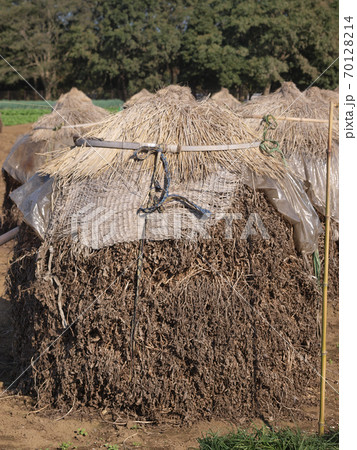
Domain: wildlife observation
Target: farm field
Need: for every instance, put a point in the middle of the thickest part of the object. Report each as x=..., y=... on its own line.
x=22, y=112
x=24, y=427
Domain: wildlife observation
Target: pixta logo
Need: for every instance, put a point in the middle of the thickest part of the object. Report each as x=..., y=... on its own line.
x=98, y=226
x=94, y=226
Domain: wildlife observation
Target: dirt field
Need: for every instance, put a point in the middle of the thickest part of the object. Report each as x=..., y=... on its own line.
x=22, y=426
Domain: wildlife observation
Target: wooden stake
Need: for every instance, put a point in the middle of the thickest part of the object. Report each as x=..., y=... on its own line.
x=325, y=285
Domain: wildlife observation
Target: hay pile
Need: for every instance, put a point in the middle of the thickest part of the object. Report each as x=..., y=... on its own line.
x=322, y=95
x=303, y=143
x=331, y=95
x=309, y=138
x=225, y=98
x=201, y=350
x=140, y=96
x=202, y=346
x=50, y=133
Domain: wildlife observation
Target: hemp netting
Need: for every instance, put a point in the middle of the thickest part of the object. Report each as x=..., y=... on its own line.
x=102, y=212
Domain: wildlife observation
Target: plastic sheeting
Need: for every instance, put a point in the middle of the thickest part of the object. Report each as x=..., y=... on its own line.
x=290, y=199
x=27, y=156
x=19, y=163
x=34, y=200
x=313, y=172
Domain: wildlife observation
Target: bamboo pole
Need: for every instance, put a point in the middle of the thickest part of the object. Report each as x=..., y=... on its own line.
x=325, y=284
x=6, y=237
x=290, y=119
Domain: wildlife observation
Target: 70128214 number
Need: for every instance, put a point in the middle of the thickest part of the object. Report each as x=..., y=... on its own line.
x=348, y=50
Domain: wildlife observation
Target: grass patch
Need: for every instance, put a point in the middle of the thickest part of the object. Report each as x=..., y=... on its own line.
x=25, y=104
x=20, y=112
x=113, y=109
x=19, y=116
x=265, y=438
x=110, y=104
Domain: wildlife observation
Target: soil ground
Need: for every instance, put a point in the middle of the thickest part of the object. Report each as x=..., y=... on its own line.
x=22, y=426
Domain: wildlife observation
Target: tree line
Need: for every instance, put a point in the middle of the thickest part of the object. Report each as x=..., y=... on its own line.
x=114, y=48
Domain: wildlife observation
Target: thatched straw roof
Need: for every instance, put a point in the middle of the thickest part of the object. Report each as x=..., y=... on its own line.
x=314, y=93
x=330, y=95
x=322, y=95
x=140, y=96
x=51, y=132
x=171, y=116
x=306, y=137
x=225, y=98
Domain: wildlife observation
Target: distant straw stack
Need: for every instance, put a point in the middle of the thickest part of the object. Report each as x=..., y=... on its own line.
x=225, y=98
x=140, y=96
x=288, y=101
x=315, y=93
x=72, y=108
x=52, y=132
x=323, y=95
x=304, y=143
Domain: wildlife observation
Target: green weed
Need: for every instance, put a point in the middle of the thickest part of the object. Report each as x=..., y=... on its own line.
x=267, y=439
x=111, y=447
x=82, y=432
x=65, y=445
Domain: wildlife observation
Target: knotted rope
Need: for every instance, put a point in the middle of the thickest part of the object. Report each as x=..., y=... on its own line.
x=270, y=146
x=141, y=155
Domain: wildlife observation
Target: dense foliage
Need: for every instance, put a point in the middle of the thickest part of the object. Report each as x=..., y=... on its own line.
x=112, y=48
